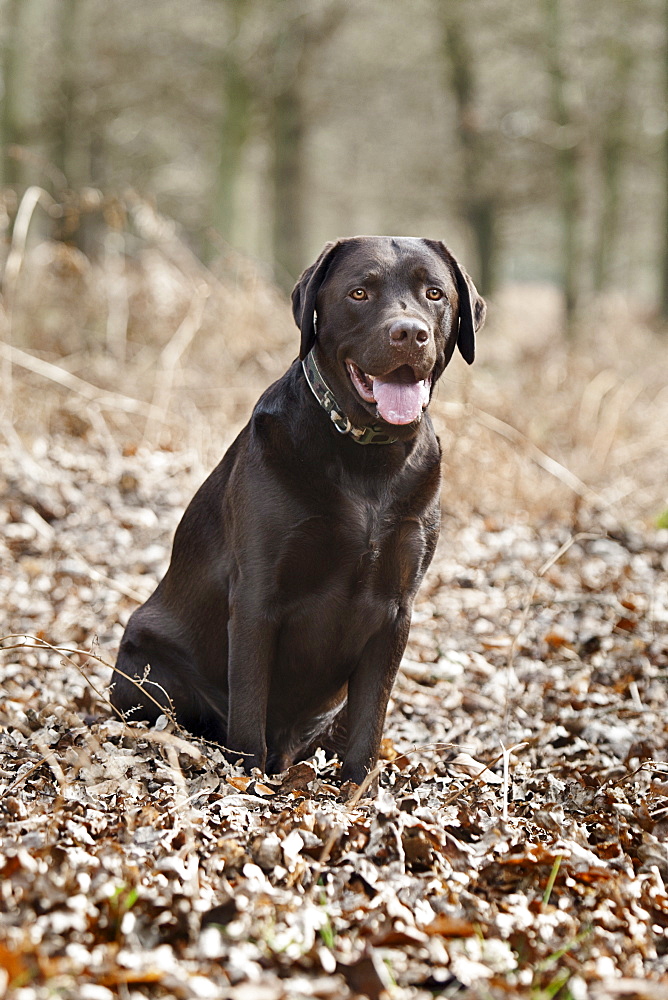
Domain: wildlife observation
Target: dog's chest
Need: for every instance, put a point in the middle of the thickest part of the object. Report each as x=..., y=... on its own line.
x=389, y=544
x=370, y=525
x=356, y=543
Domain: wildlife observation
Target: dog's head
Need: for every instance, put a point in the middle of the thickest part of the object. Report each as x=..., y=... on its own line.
x=390, y=312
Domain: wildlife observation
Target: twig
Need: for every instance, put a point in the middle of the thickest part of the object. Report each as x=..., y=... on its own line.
x=460, y=791
x=191, y=880
x=116, y=585
x=165, y=739
x=624, y=396
x=116, y=286
x=111, y=400
x=23, y=777
x=512, y=434
x=474, y=781
x=25, y=212
x=647, y=765
x=528, y=601
x=51, y=759
x=160, y=230
x=545, y=462
x=36, y=643
x=169, y=358
x=506, y=775
x=340, y=828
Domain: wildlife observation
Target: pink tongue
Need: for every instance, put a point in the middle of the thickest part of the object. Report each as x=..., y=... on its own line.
x=400, y=402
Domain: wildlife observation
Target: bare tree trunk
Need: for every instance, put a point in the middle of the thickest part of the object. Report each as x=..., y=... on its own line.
x=480, y=204
x=288, y=130
x=482, y=217
x=301, y=30
x=664, y=263
x=567, y=164
x=11, y=133
x=235, y=127
x=65, y=127
x=613, y=144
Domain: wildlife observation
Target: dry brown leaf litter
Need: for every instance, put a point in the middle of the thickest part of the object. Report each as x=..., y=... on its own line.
x=139, y=863
x=517, y=844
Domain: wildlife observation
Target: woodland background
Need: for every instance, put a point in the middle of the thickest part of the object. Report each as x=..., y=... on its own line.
x=167, y=170
x=533, y=136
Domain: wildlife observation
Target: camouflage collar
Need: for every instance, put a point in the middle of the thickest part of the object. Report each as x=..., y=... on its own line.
x=325, y=396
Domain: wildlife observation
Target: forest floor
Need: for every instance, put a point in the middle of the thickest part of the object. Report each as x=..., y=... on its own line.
x=517, y=845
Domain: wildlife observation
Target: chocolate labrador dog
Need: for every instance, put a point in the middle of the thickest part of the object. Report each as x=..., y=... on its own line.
x=284, y=613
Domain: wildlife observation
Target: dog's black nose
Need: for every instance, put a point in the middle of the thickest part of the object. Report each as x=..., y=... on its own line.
x=409, y=332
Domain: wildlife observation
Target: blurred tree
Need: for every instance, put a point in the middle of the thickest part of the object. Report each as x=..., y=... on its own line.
x=11, y=123
x=612, y=136
x=287, y=131
x=479, y=199
x=66, y=131
x=287, y=122
x=300, y=29
x=566, y=142
x=237, y=94
x=664, y=247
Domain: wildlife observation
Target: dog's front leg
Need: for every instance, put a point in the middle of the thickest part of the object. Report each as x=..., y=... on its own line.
x=251, y=648
x=369, y=690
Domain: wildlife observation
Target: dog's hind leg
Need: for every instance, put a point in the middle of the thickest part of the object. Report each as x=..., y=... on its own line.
x=145, y=685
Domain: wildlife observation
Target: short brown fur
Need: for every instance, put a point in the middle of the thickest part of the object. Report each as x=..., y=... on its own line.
x=282, y=619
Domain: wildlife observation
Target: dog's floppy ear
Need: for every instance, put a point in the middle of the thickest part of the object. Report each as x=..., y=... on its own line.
x=304, y=295
x=472, y=307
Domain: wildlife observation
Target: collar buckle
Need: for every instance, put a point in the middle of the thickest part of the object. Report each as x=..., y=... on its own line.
x=360, y=435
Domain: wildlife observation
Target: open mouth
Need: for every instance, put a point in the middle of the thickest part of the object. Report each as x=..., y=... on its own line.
x=399, y=396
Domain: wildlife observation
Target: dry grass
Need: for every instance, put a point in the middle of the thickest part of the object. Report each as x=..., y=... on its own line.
x=136, y=860
x=599, y=408
x=157, y=350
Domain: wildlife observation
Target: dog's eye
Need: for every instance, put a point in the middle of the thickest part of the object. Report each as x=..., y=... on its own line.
x=434, y=294
x=358, y=294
